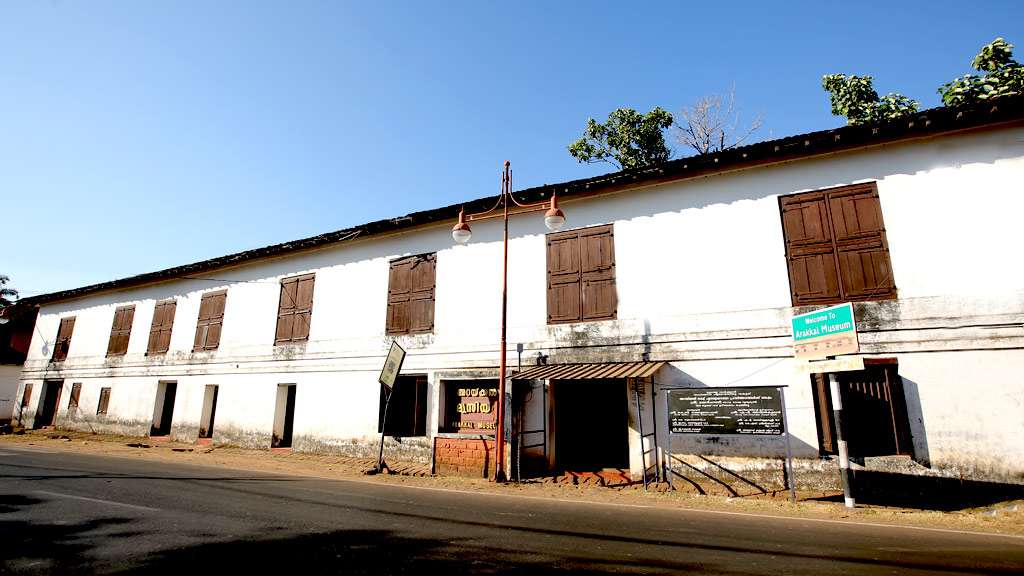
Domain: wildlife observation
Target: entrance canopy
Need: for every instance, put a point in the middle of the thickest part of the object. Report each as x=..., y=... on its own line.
x=589, y=371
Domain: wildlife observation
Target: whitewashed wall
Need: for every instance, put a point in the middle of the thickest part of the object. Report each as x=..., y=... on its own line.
x=701, y=278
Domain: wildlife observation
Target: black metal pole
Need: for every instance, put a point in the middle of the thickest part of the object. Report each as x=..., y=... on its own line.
x=383, y=430
x=844, y=453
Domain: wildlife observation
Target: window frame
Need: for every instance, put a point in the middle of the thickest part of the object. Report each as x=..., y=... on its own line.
x=407, y=424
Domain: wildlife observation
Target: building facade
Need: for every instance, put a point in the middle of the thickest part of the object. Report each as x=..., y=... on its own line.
x=685, y=274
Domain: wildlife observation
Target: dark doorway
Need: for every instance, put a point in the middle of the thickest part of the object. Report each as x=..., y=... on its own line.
x=209, y=411
x=591, y=424
x=163, y=409
x=47, y=414
x=284, y=416
x=874, y=412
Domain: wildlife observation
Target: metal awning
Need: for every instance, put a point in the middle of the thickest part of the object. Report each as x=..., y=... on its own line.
x=589, y=371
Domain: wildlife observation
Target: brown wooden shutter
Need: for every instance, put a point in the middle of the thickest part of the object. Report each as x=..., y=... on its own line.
x=813, y=277
x=160, y=331
x=63, y=342
x=76, y=393
x=104, y=403
x=216, y=320
x=862, y=250
x=823, y=409
x=295, y=311
x=286, y=309
x=422, y=271
x=399, y=291
x=563, y=259
x=211, y=319
x=597, y=270
x=303, y=308
x=120, y=330
x=836, y=246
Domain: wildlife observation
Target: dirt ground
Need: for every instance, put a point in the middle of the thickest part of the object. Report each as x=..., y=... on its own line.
x=1005, y=517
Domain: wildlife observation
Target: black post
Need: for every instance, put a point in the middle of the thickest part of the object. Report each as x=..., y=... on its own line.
x=383, y=430
x=844, y=453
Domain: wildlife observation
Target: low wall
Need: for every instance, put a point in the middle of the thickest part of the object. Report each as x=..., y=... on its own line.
x=464, y=456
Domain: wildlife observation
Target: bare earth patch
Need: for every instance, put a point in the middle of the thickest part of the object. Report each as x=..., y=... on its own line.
x=1003, y=518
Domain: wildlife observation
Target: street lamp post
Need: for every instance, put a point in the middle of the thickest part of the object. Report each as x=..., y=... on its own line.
x=461, y=233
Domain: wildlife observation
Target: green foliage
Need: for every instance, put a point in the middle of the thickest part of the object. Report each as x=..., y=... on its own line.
x=855, y=98
x=1003, y=76
x=627, y=140
x=6, y=294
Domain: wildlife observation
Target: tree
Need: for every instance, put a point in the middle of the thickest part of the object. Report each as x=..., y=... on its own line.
x=711, y=124
x=627, y=140
x=1003, y=76
x=855, y=98
x=7, y=295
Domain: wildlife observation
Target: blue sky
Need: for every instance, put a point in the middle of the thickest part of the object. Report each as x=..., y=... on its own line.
x=135, y=136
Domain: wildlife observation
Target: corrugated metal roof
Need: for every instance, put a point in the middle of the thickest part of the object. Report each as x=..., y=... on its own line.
x=589, y=371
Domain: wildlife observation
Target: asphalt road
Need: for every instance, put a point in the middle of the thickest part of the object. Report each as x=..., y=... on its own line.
x=64, y=513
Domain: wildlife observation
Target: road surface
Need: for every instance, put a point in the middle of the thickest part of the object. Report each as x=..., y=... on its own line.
x=64, y=513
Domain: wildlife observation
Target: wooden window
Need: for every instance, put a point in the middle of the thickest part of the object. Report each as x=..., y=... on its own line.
x=63, y=341
x=581, y=275
x=120, y=330
x=836, y=246
x=411, y=295
x=407, y=411
x=211, y=320
x=26, y=396
x=101, y=408
x=295, y=309
x=160, y=330
x=76, y=393
x=874, y=412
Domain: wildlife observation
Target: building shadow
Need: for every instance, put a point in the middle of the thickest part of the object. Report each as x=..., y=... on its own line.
x=927, y=492
x=915, y=418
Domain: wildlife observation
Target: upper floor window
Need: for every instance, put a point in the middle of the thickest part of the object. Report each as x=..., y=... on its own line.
x=581, y=275
x=411, y=295
x=120, y=330
x=295, y=309
x=836, y=246
x=63, y=342
x=211, y=320
x=160, y=330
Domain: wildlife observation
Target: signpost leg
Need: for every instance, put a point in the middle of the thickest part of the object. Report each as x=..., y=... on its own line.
x=844, y=454
x=383, y=430
x=668, y=449
x=789, y=450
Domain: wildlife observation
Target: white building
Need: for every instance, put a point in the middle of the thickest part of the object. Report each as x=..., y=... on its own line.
x=689, y=263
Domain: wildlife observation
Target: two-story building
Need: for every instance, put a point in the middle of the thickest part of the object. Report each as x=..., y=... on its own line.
x=681, y=274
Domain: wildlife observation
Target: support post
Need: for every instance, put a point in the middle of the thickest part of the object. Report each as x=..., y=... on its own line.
x=499, y=441
x=844, y=453
x=383, y=430
x=789, y=450
x=640, y=427
x=668, y=449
